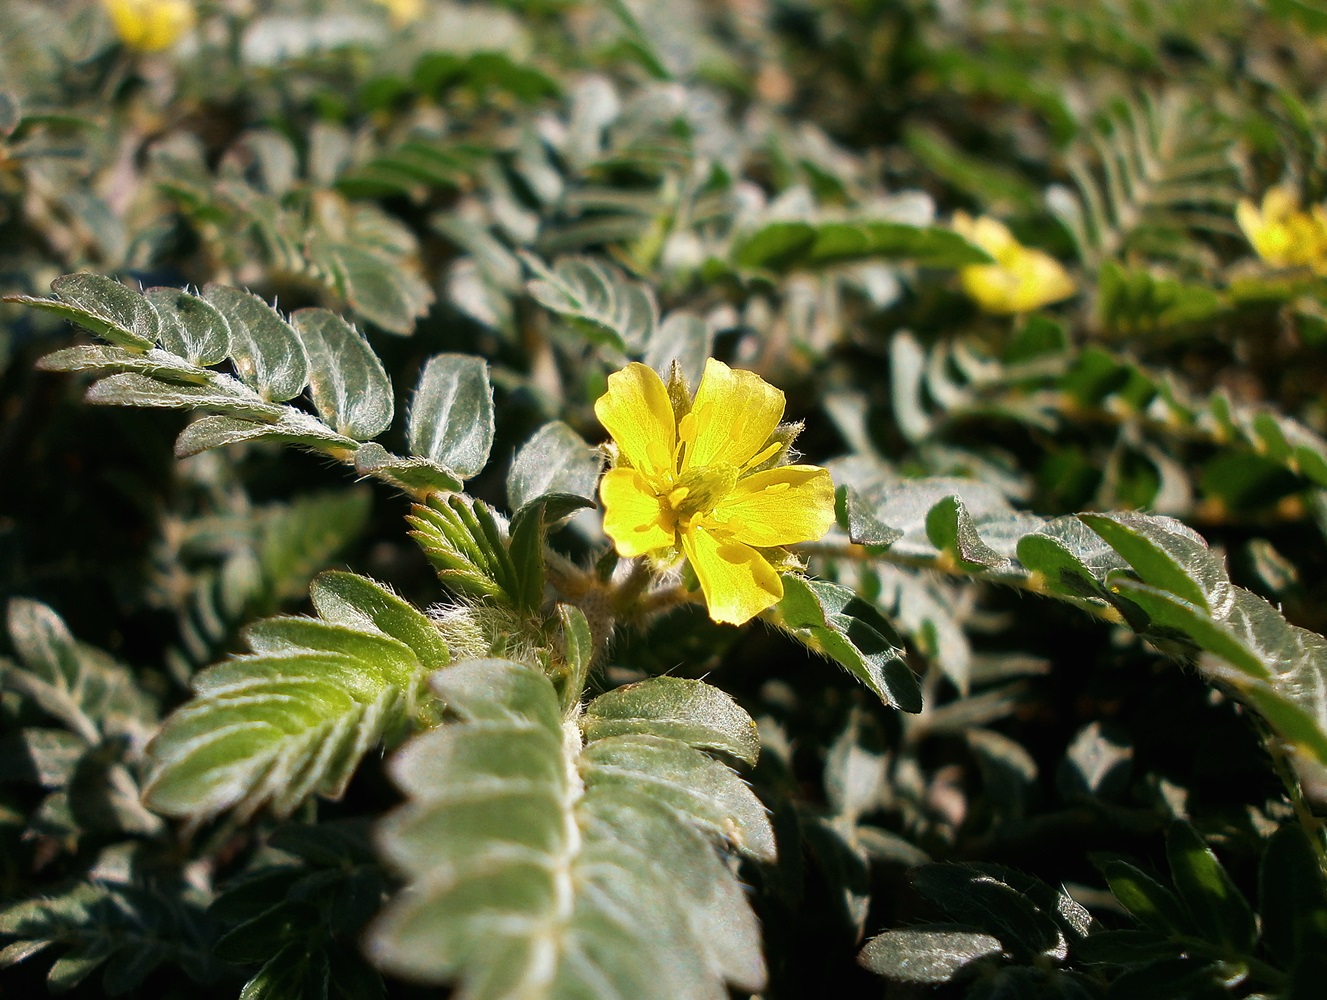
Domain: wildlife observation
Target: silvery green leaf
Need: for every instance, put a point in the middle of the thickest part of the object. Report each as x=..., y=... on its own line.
x=521, y=876
x=555, y=460
x=451, y=415
x=293, y=427
x=381, y=287
x=106, y=307
x=608, y=307
x=346, y=380
x=268, y=354
x=191, y=327
x=220, y=393
x=684, y=338
x=107, y=357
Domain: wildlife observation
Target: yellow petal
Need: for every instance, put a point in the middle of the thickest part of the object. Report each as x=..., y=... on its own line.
x=1027, y=279
x=403, y=11
x=636, y=411
x=794, y=503
x=738, y=582
x=150, y=25
x=634, y=517
x=1249, y=219
x=1278, y=203
x=731, y=418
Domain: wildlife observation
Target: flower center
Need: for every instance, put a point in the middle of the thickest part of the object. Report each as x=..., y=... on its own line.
x=696, y=492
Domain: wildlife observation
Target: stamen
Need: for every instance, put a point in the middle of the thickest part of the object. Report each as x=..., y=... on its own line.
x=676, y=497
x=765, y=453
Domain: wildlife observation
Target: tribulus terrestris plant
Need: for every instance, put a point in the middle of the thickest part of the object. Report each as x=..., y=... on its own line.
x=666, y=500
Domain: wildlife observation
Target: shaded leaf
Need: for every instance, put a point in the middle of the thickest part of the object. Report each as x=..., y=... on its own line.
x=837, y=623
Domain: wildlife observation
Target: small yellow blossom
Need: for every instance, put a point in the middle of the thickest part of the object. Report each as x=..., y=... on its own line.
x=686, y=478
x=1283, y=235
x=403, y=12
x=1020, y=280
x=150, y=25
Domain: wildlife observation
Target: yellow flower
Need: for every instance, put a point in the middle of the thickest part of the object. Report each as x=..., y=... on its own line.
x=1020, y=280
x=403, y=11
x=150, y=25
x=1281, y=234
x=686, y=477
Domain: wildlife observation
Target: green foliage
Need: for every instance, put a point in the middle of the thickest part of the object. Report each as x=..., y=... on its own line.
x=297, y=910
x=295, y=716
x=527, y=866
x=1075, y=591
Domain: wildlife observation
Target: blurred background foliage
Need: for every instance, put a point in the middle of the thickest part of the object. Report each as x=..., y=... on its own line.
x=558, y=186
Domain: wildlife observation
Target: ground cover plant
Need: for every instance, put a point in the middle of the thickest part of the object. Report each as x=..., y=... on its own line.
x=663, y=499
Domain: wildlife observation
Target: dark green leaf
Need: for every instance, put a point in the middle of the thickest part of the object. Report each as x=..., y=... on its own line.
x=780, y=246
x=1154, y=906
x=836, y=622
x=1293, y=896
x=1124, y=948
x=979, y=897
x=1219, y=910
x=529, y=527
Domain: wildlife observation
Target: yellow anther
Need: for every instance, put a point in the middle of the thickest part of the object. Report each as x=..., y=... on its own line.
x=762, y=456
x=676, y=497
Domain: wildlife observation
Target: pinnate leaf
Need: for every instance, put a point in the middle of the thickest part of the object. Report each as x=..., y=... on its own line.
x=606, y=306
x=294, y=717
x=528, y=859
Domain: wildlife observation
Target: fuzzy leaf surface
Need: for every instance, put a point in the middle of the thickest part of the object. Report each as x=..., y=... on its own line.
x=294, y=717
x=346, y=380
x=451, y=415
x=528, y=861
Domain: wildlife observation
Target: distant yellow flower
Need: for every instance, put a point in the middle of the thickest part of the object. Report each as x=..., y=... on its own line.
x=403, y=11
x=1020, y=280
x=1281, y=234
x=150, y=25
x=685, y=478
